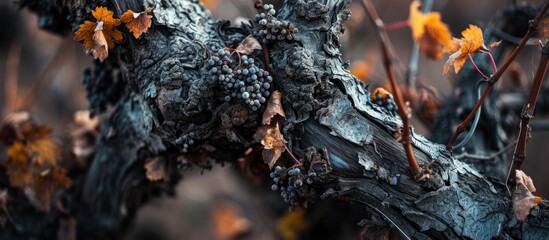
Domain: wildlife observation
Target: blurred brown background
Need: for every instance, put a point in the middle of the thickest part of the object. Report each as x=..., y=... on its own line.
x=256, y=210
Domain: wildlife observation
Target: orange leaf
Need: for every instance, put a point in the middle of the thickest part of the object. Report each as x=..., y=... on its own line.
x=229, y=223
x=211, y=4
x=42, y=147
x=95, y=42
x=137, y=23
x=18, y=166
x=416, y=20
x=431, y=34
x=471, y=42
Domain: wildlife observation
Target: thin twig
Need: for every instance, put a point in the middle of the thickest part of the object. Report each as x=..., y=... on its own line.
x=527, y=114
x=475, y=121
x=476, y=67
x=402, y=108
x=11, y=78
x=489, y=157
x=45, y=77
x=493, y=80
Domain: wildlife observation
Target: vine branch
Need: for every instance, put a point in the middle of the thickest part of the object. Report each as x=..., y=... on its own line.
x=402, y=108
x=494, y=79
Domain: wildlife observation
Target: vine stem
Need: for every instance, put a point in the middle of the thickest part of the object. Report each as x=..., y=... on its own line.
x=402, y=108
x=493, y=80
x=528, y=113
x=396, y=25
x=476, y=67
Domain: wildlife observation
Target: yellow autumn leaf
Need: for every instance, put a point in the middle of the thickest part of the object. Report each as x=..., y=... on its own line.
x=471, y=42
x=428, y=30
x=18, y=166
x=137, y=23
x=42, y=147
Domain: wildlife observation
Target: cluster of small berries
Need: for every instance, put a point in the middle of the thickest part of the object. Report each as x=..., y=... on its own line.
x=292, y=183
x=186, y=140
x=384, y=98
x=240, y=78
x=273, y=29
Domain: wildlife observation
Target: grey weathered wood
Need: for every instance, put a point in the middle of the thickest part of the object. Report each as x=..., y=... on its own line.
x=166, y=93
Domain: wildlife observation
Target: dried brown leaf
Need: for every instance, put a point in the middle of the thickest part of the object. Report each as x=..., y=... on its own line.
x=229, y=222
x=523, y=201
x=156, y=169
x=248, y=45
x=100, y=50
x=524, y=179
x=274, y=107
x=273, y=143
x=45, y=185
x=137, y=23
x=18, y=166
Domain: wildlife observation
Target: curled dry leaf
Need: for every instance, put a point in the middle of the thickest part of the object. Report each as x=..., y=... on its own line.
x=137, y=23
x=524, y=179
x=523, y=199
x=273, y=143
x=100, y=50
x=99, y=36
x=523, y=202
x=248, y=45
x=274, y=107
x=229, y=223
x=156, y=169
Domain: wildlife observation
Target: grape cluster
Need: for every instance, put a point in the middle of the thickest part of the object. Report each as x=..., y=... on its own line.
x=186, y=140
x=272, y=28
x=240, y=78
x=293, y=184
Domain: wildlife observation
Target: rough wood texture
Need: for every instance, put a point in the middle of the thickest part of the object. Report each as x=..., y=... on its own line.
x=163, y=92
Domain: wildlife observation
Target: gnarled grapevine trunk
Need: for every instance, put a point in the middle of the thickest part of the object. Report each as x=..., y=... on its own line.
x=163, y=92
